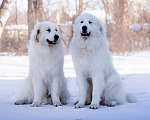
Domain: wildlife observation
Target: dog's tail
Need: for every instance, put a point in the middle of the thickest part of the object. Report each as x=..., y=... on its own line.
x=130, y=97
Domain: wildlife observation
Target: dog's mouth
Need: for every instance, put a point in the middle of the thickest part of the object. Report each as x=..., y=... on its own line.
x=85, y=34
x=51, y=42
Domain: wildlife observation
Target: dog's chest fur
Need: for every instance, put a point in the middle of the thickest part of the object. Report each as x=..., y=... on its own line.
x=85, y=58
x=89, y=59
x=49, y=62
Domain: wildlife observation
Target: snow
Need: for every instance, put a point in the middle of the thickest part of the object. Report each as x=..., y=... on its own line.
x=135, y=73
x=138, y=27
x=23, y=26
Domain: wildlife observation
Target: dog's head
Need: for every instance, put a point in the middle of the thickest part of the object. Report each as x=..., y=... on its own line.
x=87, y=25
x=46, y=33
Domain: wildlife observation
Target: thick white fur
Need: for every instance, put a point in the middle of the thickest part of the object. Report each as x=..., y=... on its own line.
x=45, y=82
x=97, y=79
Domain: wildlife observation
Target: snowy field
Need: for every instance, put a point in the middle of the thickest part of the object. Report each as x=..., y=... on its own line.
x=135, y=73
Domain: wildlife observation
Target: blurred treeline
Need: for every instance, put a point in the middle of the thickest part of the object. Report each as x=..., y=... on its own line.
x=127, y=22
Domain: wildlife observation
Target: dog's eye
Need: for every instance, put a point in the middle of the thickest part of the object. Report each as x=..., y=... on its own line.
x=90, y=22
x=48, y=30
x=55, y=29
x=81, y=22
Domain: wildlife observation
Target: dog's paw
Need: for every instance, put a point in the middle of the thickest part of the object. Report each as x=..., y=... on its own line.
x=36, y=104
x=94, y=106
x=111, y=103
x=20, y=102
x=57, y=104
x=76, y=102
x=79, y=105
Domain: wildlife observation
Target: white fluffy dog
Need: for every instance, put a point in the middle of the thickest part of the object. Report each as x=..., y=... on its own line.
x=97, y=79
x=45, y=82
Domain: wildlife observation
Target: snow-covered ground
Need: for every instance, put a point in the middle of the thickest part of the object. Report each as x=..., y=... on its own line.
x=135, y=73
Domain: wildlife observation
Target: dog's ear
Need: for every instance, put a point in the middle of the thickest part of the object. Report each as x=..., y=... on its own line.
x=36, y=32
x=37, y=35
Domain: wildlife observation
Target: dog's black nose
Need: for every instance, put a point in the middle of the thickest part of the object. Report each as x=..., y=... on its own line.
x=56, y=37
x=84, y=29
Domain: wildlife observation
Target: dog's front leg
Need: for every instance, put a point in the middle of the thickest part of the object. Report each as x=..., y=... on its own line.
x=55, y=91
x=82, y=83
x=98, y=86
x=38, y=87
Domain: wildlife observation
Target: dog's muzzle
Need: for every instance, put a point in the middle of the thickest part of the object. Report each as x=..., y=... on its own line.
x=56, y=38
x=51, y=42
x=84, y=32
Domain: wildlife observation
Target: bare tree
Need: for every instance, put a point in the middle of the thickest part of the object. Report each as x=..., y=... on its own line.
x=117, y=22
x=35, y=13
x=5, y=9
x=41, y=15
x=32, y=15
x=80, y=7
